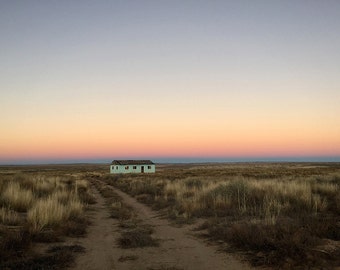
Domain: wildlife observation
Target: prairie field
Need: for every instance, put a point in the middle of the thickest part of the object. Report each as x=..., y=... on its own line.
x=281, y=215
x=274, y=215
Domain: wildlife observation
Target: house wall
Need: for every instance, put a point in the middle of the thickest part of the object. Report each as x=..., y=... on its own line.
x=132, y=168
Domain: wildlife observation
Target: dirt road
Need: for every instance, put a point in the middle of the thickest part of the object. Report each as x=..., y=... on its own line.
x=100, y=241
x=178, y=249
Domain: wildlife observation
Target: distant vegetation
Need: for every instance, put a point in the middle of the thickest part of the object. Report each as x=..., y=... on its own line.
x=284, y=215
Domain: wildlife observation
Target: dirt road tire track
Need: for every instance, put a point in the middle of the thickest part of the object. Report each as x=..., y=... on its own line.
x=100, y=240
x=178, y=249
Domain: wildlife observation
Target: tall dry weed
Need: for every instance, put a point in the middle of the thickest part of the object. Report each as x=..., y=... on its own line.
x=49, y=212
x=16, y=197
x=81, y=185
x=8, y=216
x=46, y=212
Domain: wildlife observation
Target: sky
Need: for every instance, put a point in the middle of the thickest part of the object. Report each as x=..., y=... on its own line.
x=103, y=80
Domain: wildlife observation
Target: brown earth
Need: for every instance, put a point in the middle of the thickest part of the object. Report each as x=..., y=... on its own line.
x=178, y=249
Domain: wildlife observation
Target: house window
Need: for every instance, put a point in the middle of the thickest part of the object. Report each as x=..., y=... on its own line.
x=134, y=167
x=149, y=167
x=126, y=167
x=117, y=167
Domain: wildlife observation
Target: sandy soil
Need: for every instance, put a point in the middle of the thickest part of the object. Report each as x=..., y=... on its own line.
x=178, y=249
x=100, y=241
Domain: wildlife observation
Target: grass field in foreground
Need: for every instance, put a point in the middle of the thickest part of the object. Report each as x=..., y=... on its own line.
x=40, y=207
x=283, y=215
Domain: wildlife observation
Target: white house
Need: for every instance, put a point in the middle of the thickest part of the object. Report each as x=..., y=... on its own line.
x=132, y=166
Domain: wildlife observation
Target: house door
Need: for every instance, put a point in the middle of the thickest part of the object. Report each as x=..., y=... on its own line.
x=142, y=167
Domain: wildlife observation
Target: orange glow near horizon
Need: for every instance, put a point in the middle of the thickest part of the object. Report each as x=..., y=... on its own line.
x=186, y=142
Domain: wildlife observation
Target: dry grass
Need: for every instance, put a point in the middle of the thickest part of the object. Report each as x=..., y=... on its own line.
x=277, y=213
x=137, y=238
x=39, y=208
x=49, y=212
x=265, y=199
x=16, y=197
x=8, y=216
x=283, y=215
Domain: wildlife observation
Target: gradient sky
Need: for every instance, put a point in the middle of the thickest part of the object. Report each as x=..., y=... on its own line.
x=121, y=79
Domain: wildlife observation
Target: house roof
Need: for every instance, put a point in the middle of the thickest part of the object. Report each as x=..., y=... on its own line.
x=132, y=162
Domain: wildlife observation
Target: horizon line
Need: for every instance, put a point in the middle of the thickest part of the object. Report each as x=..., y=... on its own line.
x=173, y=160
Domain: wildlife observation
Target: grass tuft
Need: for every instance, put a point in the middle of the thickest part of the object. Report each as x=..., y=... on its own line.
x=16, y=197
x=138, y=237
x=9, y=217
x=50, y=212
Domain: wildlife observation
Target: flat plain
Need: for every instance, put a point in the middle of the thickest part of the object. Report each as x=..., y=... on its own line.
x=185, y=216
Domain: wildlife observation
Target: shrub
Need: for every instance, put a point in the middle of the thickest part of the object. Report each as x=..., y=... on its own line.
x=49, y=212
x=138, y=237
x=194, y=183
x=81, y=186
x=120, y=211
x=277, y=242
x=13, y=244
x=8, y=216
x=17, y=198
x=43, y=186
x=46, y=212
